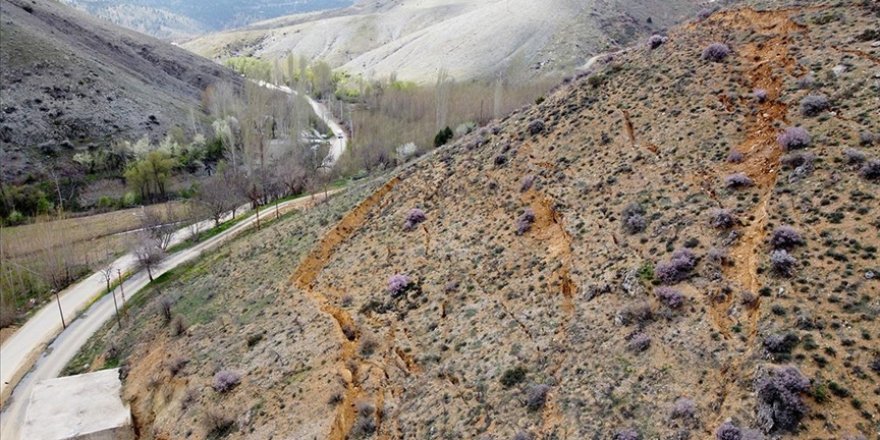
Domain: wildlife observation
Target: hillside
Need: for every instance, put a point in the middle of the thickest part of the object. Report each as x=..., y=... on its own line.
x=72, y=82
x=651, y=252
x=415, y=38
x=176, y=20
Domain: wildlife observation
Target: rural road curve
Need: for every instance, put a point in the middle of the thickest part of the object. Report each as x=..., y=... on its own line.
x=19, y=351
x=340, y=138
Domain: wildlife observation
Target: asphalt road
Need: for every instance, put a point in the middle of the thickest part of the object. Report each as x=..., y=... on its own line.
x=27, y=344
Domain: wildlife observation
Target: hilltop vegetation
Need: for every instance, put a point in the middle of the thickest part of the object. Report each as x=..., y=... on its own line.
x=680, y=243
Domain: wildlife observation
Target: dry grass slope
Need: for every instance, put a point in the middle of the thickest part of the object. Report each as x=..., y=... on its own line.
x=533, y=305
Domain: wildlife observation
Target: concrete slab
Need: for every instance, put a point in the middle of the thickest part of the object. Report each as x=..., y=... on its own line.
x=84, y=407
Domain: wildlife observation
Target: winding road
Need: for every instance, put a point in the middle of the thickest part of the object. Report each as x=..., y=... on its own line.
x=24, y=348
x=43, y=344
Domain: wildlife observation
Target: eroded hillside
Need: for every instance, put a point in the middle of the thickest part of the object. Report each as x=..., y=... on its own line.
x=652, y=252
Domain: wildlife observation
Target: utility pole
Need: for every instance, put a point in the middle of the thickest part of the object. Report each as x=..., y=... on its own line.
x=58, y=300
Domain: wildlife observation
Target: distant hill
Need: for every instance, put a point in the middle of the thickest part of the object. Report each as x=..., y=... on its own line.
x=469, y=38
x=177, y=20
x=72, y=82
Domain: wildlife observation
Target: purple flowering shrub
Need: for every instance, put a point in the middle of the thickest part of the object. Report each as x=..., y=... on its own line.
x=785, y=237
x=735, y=157
x=414, y=217
x=780, y=405
x=398, y=284
x=678, y=268
x=536, y=126
x=537, y=397
x=871, y=170
x=722, y=219
x=655, y=41
x=813, y=105
x=527, y=183
x=794, y=138
x=738, y=180
x=716, y=52
x=634, y=218
x=639, y=342
x=780, y=343
x=782, y=262
x=627, y=434
x=854, y=157
x=760, y=95
x=669, y=296
x=226, y=380
x=525, y=221
x=684, y=408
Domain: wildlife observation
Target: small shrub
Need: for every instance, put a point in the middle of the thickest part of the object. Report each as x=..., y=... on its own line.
x=718, y=256
x=670, y=297
x=525, y=221
x=813, y=105
x=716, y=52
x=797, y=160
x=414, y=217
x=368, y=346
x=738, y=180
x=807, y=81
x=783, y=263
x=786, y=237
x=178, y=326
x=634, y=218
x=705, y=13
x=523, y=435
x=537, y=397
x=678, y=268
x=760, y=95
x=513, y=376
x=655, y=41
x=639, y=342
x=728, y=431
x=627, y=434
x=684, y=408
x=177, y=365
x=854, y=157
x=780, y=406
x=226, y=380
x=780, y=344
x=443, y=137
x=527, y=183
x=639, y=313
x=867, y=138
x=398, y=284
x=735, y=157
x=536, y=126
x=722, y=219
x=794, y=138
x=165, y=309
x=218, y=424
x=871, y=170
x=365, y=424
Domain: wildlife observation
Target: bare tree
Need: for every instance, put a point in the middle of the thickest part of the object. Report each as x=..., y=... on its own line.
x=161, y=224
x=148, y=253
x=217, y=197
x=107, y=273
